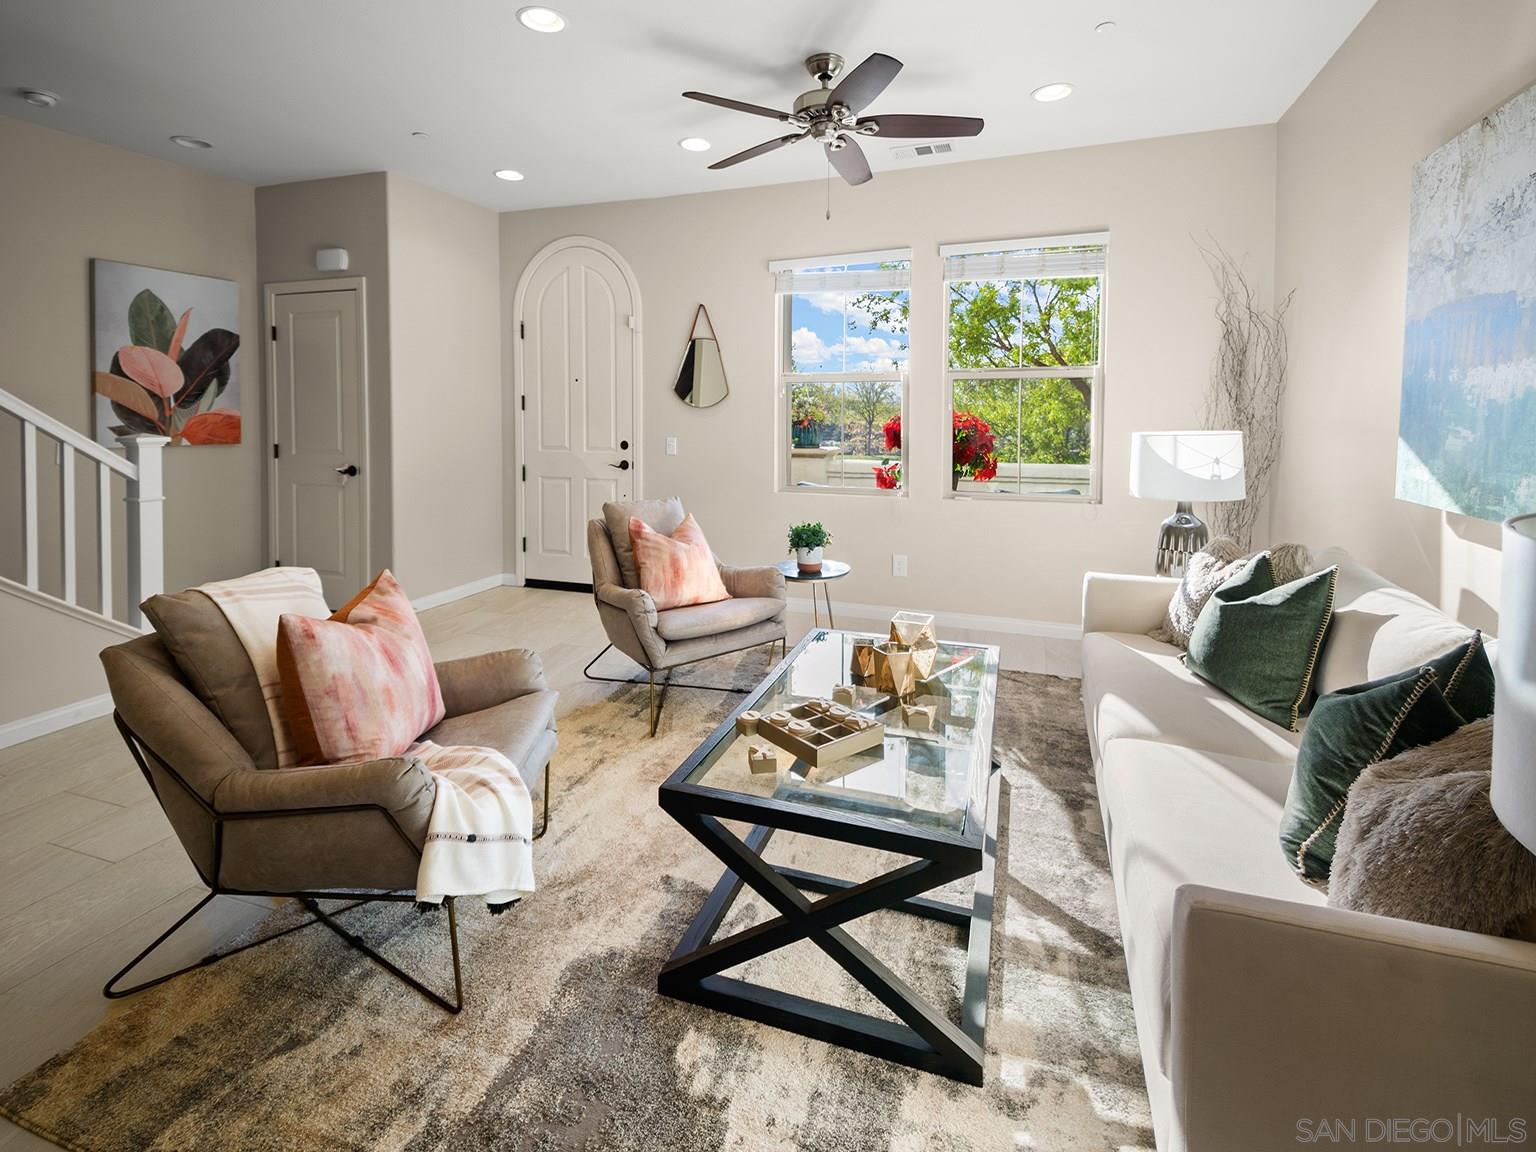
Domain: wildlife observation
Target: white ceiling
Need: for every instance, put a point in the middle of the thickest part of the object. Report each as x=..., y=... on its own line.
x=296, y=89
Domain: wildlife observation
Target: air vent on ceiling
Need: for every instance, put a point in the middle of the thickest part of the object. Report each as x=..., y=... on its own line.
x=922, y=151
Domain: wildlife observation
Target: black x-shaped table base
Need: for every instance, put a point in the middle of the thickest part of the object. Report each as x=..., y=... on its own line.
x=921, y=1036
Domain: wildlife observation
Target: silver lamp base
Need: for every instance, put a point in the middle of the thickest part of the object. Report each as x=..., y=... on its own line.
x=1182, y=535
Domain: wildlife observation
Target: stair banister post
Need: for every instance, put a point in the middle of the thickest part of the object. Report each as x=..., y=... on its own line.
x=146, y=522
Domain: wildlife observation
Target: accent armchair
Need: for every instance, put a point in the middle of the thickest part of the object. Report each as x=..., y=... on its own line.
x=660, y=641
x=189, y=706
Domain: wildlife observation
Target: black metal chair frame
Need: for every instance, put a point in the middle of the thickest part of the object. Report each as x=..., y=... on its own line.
x=309, y=899
x=667, y=681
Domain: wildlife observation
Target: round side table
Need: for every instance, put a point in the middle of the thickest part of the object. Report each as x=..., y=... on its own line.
x=830, y=570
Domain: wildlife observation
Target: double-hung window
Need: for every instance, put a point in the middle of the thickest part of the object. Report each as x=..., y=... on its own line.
x=1023, y=373
x=842, y=364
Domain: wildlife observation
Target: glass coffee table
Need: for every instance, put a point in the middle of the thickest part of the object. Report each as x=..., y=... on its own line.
x=932, y=795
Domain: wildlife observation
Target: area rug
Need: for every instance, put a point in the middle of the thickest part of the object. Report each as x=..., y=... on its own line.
x=564, y=1044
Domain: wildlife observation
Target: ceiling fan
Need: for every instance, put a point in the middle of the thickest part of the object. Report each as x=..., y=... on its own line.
x=831, y=115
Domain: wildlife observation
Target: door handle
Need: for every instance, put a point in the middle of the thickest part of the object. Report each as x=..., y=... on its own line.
x=622, y=465
x=349, y=470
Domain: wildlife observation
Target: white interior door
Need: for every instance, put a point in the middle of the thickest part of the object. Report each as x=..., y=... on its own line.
x=579, y=419
x=319, y=431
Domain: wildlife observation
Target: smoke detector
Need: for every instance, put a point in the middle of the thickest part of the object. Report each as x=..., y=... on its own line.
x=37, y=97
x=922, y=151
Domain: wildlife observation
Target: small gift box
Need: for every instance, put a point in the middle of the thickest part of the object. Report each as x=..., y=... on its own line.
x=918, y=717
x=762, y=758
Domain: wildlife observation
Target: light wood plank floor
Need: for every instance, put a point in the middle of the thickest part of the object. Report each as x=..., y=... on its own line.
x=94, y=872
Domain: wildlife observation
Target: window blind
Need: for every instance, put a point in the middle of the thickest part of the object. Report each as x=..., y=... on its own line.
x=843, y=280
x=1025, y=260
x=834, y=274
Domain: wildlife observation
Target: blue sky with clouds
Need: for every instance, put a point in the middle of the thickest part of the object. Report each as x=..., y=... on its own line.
x=828, y=335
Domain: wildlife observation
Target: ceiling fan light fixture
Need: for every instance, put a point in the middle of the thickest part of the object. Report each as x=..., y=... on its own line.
x=1050, y=93
x=693, y=144
x=508, y=174
x=540, y=19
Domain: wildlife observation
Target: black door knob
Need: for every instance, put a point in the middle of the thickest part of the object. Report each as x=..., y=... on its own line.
x=349, y=470
x=622, y=465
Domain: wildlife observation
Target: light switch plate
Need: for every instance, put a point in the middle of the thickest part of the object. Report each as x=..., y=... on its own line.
x=898, y=565
x=671, y=445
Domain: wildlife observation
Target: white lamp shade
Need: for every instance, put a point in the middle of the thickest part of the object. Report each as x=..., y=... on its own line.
x=1514, y=704
x=1187, y=466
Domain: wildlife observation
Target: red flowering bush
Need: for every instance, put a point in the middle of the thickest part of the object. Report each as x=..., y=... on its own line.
x=973, y=457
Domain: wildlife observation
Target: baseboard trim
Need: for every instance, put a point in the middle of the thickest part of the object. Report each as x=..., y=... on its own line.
x=473, y=588
x=966, y=621
x=41, y=724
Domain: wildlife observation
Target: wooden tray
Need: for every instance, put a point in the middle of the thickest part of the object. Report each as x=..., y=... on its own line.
x=830, y=738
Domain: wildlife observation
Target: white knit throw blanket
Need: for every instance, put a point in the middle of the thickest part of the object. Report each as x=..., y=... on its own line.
x=480, y=839
x=480, y=835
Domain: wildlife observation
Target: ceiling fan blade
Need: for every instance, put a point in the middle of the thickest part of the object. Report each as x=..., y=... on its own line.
x=759, y=150
x=738, y=105
x=850, y=162
x=855, y=90
x=910, y=127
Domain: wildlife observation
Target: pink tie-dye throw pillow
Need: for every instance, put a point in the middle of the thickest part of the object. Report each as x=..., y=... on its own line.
x=361, y=685
x=679, y=569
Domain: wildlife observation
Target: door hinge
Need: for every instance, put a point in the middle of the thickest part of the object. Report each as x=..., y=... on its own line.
x=274, y=332
x=522, y=330
x=525, y=543
x=274, y=451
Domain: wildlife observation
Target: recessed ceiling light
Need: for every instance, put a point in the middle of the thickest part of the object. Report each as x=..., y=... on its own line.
x=508, y=174
x=540, y=19
x=37, y=97
x=694, y=144
x=1105, y=26
x=1049, y=92
x=190, y=142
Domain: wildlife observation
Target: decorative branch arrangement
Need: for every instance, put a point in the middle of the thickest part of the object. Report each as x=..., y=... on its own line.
x=1247, y=386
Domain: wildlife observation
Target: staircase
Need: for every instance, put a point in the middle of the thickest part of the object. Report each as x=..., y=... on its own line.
x=51, y=635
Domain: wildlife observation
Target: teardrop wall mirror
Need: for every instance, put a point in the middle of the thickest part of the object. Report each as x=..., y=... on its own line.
x=701, y=376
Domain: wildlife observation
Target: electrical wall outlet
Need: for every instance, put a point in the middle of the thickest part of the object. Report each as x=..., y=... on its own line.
x=671, y=445
x=898, y=565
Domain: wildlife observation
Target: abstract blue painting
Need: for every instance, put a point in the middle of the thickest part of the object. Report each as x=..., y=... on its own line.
x=1467, y=427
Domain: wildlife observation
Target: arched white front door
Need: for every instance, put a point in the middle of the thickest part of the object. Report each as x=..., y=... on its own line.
x=578, y=328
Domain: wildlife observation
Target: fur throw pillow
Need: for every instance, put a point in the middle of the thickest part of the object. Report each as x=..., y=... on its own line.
x=1420, y=841
x=1207, y=570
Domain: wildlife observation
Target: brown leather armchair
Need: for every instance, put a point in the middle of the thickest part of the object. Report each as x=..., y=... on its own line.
x=350, y=832
x=660, y=641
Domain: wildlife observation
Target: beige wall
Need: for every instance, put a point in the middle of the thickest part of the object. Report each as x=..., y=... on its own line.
x=65, y=201
x=293, y=221
x=445, y=385
x=1412, y=76
x=1021, y=560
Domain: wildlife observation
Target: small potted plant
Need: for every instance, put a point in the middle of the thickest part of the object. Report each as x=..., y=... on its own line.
x=806, y=541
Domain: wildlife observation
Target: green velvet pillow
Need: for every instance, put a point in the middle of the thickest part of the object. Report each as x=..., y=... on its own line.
x=1466, y=679
x=1259, y=643
x=1349, y=731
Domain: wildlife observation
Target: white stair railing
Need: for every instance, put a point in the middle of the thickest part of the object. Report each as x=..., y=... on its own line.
x=145, y=507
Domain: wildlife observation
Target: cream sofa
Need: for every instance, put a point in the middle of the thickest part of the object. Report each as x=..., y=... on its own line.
x=1261, y=1011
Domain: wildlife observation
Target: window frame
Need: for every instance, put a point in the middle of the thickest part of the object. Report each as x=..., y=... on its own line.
x=786, y=380
x=1093, y=372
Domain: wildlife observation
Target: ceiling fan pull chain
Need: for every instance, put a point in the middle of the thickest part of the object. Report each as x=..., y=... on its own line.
x=829, y=188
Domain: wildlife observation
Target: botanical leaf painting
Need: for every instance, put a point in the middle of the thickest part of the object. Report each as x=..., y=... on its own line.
x=166, y=351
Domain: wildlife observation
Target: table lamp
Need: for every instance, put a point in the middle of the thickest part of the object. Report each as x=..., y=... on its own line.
x=1185, y=467
x=1514, y=704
